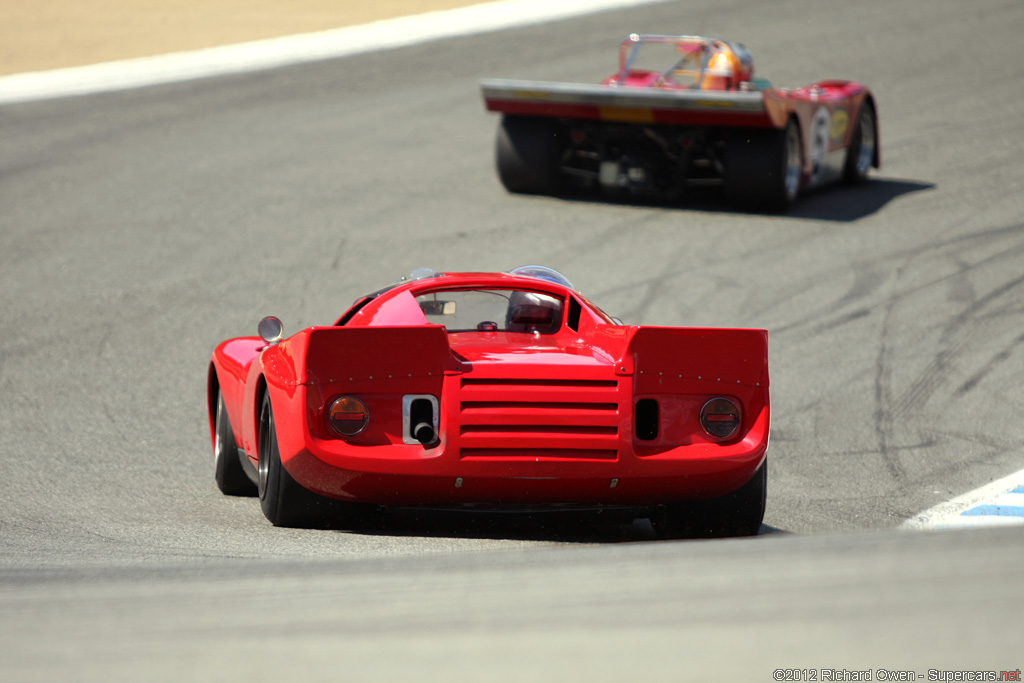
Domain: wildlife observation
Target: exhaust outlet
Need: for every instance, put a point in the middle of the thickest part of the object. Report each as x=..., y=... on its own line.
x=419, y=419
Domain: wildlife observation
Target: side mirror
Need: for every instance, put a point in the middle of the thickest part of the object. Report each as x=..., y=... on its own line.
x=271, y=330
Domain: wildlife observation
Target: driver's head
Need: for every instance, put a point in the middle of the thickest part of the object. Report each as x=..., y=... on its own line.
x=532, y=312
x=730, y=65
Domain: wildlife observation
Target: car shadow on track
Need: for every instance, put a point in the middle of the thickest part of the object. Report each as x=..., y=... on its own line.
x=584, y=527
x=558, y=526
x=838, y=203
x=845, y=204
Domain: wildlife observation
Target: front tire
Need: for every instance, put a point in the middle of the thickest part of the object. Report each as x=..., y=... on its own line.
x=860, y=156
x=739, y=513
x=229, y=472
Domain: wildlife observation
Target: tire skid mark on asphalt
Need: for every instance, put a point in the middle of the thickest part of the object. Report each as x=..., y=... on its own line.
x=998, y=503
x=997, y=360
x=884, y=389
x=962, y=329
x=895, y=402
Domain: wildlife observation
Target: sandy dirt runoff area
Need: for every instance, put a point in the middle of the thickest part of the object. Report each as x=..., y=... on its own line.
x=52, y=34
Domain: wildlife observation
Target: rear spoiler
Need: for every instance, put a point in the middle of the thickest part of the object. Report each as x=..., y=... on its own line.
x=350, y=355
x=663, y=357
x=628, y=104
x=378, y=353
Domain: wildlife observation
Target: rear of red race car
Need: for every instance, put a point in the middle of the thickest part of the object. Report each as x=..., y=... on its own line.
x=671, y=419
x=526, y=395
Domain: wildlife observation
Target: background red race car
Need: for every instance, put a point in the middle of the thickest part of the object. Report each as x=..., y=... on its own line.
x=683, y=112
x=500, y=389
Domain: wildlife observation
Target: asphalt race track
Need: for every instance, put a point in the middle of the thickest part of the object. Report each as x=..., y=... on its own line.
x=140, y=228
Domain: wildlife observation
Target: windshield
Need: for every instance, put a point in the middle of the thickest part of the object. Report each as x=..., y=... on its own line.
x=493, y=310
x=679, y=59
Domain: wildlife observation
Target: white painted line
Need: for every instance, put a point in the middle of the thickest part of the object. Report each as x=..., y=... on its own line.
x=307, y=47
x=998, y=503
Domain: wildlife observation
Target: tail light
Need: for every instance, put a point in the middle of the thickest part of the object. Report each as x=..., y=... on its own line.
x=348, y=416
x=720, y=418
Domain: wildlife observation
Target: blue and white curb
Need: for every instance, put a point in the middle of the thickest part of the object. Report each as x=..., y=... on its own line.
x=998, y=503
x=297, y=49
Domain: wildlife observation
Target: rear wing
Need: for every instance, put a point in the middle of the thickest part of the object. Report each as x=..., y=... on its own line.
x=675, y=357
x=358, y=357
x=625, y=104
x=366, y=354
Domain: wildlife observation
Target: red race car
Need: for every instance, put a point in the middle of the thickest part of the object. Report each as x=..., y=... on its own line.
x=683, y=112
x=494, y=389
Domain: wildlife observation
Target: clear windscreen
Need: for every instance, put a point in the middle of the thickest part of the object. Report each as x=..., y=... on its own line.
x=492, y=310
x=679, y=62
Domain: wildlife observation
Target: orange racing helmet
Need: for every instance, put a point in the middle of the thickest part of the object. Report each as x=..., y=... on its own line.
x=729, y=65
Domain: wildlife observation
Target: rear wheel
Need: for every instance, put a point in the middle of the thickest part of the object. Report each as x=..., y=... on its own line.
x=227, y=464
x=763, y=167
x=739, y=513
x=528, y=152
x=860, y=156
x=284, y=501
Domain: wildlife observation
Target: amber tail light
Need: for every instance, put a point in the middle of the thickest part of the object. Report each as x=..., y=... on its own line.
x=348, y=416
x=720, y=418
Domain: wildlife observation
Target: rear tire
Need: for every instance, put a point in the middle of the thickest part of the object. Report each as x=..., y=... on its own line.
x=227, y=464
x=528, y=152
x=284, y=502
x=763, y=167
x=739, y=513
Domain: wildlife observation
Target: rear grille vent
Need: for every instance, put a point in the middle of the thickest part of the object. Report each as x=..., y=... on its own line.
x=586, y=383
x=542, y=418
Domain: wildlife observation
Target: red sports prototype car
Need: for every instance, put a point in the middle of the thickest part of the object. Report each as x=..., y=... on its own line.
x=683, y=112
x=494, y=389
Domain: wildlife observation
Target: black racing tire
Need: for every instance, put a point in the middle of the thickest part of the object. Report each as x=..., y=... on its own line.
x=739, y=513
x=862, y=152
x=283, y=500
x=763, y=167
x=229, y=472
x=528, y=152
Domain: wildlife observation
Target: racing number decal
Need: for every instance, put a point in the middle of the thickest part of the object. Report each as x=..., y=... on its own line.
x=840, y=122
x=821, y=126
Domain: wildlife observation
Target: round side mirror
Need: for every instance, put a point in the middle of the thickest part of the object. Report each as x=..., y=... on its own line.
x=271, y=329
